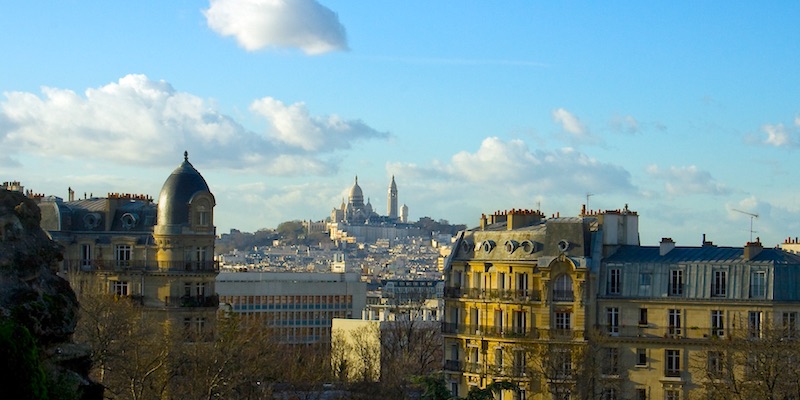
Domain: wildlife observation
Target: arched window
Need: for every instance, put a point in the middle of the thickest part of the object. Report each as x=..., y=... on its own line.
x=562, y=289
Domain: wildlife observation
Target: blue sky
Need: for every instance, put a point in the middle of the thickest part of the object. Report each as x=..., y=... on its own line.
x=685, y=111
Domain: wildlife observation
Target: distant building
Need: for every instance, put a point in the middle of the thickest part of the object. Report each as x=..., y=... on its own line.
x=400, y=299
x=158, y=255
x=392, y=200
x=356, y=222
x=299, y=306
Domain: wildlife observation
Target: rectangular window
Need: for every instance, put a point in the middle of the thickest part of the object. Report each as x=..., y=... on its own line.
x=674, y=322
x=563, y=363
x=203, y=218
x=641, y=394
x=498, y=321
x=672, y=394
x=676, y=283
x=614, y=281
x=717, y=323
x=673, y=362
x=611, y=366
x=645, y=281
x=522, y=285
x=714, y=363
x=641, y=357
x=563, y=321
x=790, y=324
x=122, y=253
x=642, y=316
x=520, y=322
x=719, y=283
x=754, y=324
x=758, y=284
x=119, y=288
x=498, y=357
x=86, y=255
x=612, y=320
x=609, y=394
x=519, y=363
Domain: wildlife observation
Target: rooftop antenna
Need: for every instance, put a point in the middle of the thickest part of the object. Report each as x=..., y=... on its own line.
x=752, y=216
x=587, y=200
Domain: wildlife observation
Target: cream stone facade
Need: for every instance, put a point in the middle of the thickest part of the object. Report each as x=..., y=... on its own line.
x=571, y=308
x=160, y=256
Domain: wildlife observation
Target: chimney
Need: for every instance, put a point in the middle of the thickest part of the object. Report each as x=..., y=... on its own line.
x=667, y=244
x=483, y=221
x=751, y=249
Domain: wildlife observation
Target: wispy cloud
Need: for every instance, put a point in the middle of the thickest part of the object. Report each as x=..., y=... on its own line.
x=687, y=180
x=577, y=133
x=625, y=124
x=259, y=24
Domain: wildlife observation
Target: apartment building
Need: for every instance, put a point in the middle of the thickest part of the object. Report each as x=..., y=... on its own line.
x=670, y=313
x=576, y=308
x=159, y=255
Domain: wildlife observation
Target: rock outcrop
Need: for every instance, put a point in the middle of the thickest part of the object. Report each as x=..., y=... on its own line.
x=38, y=312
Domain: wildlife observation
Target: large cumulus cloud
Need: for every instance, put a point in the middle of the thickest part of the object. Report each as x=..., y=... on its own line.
x=138, y=120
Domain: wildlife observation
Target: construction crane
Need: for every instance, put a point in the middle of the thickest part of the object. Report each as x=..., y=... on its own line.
x=752, y=216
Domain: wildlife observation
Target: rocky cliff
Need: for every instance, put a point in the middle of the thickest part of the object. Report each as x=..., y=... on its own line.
x=38, y=312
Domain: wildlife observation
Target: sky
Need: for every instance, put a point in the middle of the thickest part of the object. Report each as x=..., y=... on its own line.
x=686, y=112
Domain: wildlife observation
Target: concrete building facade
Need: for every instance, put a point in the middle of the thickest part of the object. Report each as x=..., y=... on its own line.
x=299, y=306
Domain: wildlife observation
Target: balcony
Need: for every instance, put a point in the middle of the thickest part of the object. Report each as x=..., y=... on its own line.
x=490, y=331
x=492, y=294
x=563, y=295
x=672, y=373
x=138, y=265
x=191, y=301
x=473, y=368
x=453, y=365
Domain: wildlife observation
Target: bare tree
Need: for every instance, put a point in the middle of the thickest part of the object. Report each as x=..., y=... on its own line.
x=749, y=364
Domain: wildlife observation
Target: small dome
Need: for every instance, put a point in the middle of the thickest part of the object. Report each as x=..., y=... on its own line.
x=176, y=194
x=356, y=195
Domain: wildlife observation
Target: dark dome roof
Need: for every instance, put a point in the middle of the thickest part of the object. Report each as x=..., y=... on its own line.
x=178, y=190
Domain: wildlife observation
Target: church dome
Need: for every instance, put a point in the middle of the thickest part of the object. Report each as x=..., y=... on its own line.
x=356, y=195
x=174, y=201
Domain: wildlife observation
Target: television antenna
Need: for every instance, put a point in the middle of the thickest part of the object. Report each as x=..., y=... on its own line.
x=752, y=216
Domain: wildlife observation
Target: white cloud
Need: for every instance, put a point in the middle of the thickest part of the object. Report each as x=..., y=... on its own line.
x=569, y=122
x=777, y=135
x=292, y=125
x=259, y=24
x=138, y=121
x=513, y=166
x=687, y=180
